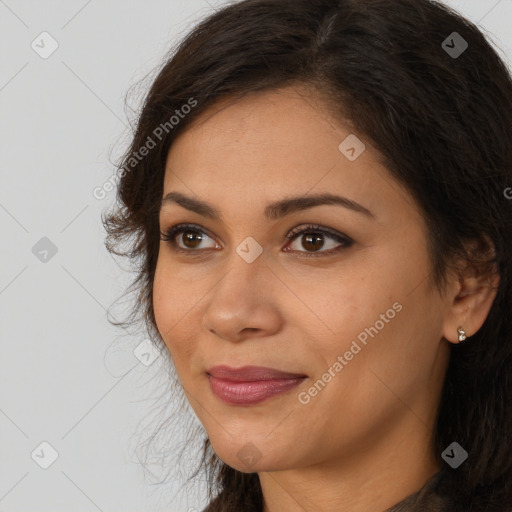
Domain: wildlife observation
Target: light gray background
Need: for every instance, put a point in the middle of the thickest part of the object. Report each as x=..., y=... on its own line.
x=66, y=376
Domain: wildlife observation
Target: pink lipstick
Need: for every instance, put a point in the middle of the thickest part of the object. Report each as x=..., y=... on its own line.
x=250, y=385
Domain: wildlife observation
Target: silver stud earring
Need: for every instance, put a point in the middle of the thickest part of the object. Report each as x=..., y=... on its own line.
x=462, y=334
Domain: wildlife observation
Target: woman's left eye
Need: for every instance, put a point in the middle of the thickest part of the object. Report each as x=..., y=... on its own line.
x=313, y=239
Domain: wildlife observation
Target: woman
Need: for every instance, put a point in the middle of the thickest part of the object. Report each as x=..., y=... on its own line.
x=319, y=193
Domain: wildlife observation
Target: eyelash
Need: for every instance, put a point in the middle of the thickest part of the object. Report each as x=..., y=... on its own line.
x=346, y=242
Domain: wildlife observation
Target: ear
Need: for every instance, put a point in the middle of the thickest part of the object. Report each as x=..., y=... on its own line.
x=471, y=293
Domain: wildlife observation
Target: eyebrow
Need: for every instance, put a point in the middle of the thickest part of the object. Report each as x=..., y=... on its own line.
x=273, y=211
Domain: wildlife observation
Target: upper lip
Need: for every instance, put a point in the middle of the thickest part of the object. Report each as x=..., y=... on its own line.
x=250, y=373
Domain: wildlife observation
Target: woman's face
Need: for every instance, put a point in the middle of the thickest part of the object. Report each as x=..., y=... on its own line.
x=345, y=304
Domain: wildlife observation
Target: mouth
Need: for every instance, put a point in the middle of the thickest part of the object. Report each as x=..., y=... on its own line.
x=250, y=385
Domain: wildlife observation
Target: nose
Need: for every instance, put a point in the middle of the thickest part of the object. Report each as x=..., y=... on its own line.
x=244, y=302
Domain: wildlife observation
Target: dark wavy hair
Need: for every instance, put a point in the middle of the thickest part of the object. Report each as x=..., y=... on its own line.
x=443, y=124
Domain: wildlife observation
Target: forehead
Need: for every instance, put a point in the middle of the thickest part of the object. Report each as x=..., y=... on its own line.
x=273, y=144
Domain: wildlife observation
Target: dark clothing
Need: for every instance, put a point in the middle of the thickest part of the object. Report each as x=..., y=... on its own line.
x=424, y=500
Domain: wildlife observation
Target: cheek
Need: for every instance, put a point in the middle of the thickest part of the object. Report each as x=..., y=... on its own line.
x=371, y=318
x=173, y=305
x=345, y=303
x=160, y=303
x=165, y=306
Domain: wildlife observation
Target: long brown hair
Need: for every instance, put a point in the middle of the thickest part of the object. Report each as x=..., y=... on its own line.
x=444, y=125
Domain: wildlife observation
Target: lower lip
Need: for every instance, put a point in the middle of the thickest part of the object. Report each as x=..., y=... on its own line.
x=250, y=393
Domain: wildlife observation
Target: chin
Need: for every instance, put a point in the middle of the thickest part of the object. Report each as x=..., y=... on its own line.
x=253, y=458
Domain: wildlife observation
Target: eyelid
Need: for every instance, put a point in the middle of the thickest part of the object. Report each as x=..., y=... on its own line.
x=317, y=228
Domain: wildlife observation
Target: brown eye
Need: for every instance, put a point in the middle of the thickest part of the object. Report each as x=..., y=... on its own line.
x=314, y=238
x=312, y=242
x=191, y=239
x=185, y=238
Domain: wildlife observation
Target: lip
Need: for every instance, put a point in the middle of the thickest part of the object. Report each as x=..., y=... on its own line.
x=250, y=385
x=250, y=373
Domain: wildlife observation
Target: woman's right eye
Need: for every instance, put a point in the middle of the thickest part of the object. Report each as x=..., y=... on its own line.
x=186, y=238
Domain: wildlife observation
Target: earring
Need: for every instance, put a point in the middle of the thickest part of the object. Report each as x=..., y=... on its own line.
x=462, y=334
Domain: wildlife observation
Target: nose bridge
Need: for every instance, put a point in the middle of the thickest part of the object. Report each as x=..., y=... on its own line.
x=246, y=268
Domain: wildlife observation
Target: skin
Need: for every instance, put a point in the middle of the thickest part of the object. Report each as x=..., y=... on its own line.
x=363, y=442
